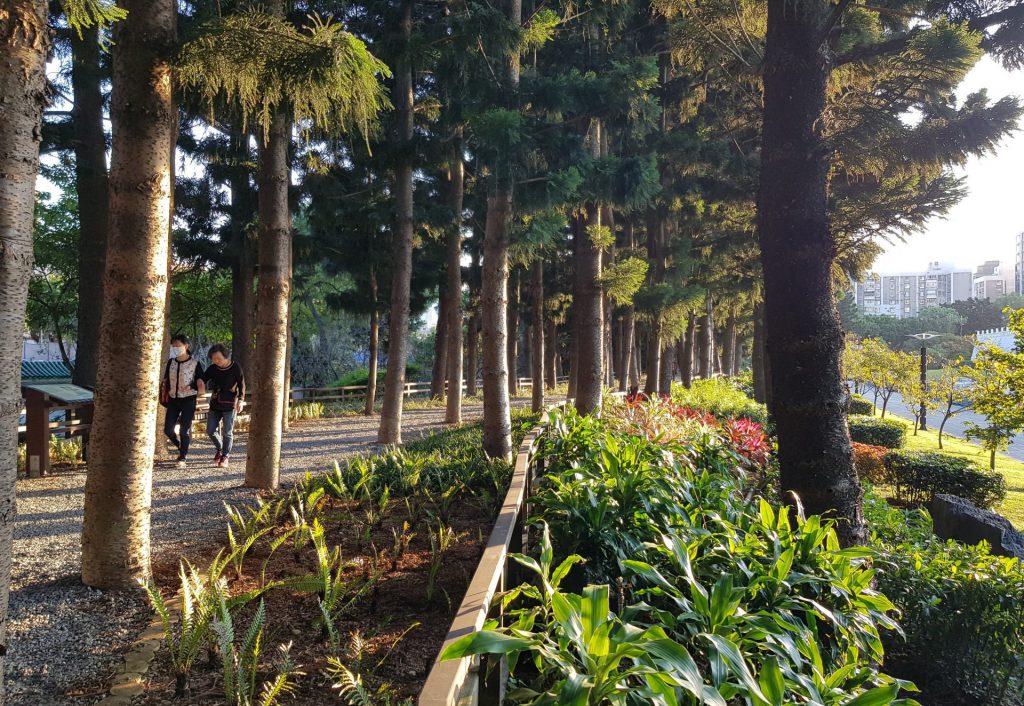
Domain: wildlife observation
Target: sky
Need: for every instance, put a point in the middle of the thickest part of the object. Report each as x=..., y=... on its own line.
x=983, y=225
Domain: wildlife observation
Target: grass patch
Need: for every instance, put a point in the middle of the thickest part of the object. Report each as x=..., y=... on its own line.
x=1010, y=468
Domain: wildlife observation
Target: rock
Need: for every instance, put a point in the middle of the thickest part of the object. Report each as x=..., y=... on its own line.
x=959, y=519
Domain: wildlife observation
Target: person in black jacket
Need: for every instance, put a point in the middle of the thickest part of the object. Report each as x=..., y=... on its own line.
x=226, y=382
x=179, y=389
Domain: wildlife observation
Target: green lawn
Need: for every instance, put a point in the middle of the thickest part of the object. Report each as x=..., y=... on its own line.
x=1011, y=469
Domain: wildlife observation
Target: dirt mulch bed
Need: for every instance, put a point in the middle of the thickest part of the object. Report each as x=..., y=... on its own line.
x=378, y=621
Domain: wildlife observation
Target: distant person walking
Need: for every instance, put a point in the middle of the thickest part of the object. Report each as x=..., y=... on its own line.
x=180, y=387
x=227, y=393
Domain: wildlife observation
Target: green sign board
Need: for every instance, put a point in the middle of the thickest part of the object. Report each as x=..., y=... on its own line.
x=68, y=394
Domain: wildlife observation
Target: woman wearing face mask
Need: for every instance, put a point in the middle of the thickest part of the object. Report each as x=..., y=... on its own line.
x=181, y=384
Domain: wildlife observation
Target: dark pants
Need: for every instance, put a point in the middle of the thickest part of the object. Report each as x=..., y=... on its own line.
x=213, y=423
x=180, y=411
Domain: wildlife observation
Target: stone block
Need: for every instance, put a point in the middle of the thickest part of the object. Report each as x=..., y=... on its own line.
x=956, y=518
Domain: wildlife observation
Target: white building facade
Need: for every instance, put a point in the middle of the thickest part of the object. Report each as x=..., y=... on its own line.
x=1018, y=265
x=905, y=294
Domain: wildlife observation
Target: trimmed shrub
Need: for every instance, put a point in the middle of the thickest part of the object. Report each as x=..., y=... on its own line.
x=917, y=476
x=361, y=376
x=721, y=398
x=961, y=610
x=869, y=461
x=860, y=405
x=877, y=432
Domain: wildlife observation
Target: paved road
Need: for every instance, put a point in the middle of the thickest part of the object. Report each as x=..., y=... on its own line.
x=957, y=425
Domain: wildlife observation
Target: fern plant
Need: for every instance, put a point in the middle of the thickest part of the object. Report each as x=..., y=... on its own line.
x=186, y=636
x=441, y=542
x=241, y=662
x=354, y=692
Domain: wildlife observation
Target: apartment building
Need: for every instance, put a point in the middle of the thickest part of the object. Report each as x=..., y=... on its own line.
x=1018, y=265
x=904, y=294
x=992, y=281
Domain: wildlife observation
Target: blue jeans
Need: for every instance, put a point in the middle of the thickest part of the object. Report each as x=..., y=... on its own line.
x=213, y=422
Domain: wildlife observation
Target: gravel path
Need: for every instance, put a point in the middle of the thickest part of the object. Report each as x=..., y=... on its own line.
x=65, y=638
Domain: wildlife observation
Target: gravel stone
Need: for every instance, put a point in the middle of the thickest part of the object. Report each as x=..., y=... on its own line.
x=65, y=640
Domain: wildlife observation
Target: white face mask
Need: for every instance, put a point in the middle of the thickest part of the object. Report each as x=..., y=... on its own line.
x=176, y=351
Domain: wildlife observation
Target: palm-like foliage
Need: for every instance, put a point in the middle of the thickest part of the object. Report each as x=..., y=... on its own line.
x=241, y=662
x=319, y=72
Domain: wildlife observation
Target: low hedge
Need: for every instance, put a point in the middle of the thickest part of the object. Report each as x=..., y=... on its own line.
x=869, y=461
x=917, y=476
x=860, y=405
x=877, y=432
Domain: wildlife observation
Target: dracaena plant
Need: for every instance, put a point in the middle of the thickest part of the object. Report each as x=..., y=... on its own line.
x=584, y=653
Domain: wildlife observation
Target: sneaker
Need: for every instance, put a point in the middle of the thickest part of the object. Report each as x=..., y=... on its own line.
x=216, y=459
x=223, y=462
x=180, y=463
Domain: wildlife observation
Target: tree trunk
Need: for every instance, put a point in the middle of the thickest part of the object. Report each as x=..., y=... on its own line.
x=161, y=451
x=473, y=332
x=440, y=363
x=668, y=357
x=587, y=304
x=93, y=197
x=390, y=431
x=494, y=287
x=551, y=356
x=273, y=292
x=537, y=347
x=757, y=355
x=737, y=353
x=805, y=339
x=286, y=389
x=653, y=358
x=26, y=39
x=493, y=305
x=242, y=270
x=729, y=344
x=686, y=364
x=513, y=335
x=118, y=487
x=375, y=327
x=628, y=346
x=456, y=183
x=706, y=341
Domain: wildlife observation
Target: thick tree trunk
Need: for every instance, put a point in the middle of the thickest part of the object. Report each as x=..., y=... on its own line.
x=118, y=487
x=439, y=365
x=286, y=388
x=626, y=352
x=242, y=267
x=473, y=326
x=537, y=347
x=686, y=364
x=456, y=185
x=668, y=358
x=706, y=341
x=587, y=303
x=513, y=335
x=757, y=354
x=805, y=339
x=26, y=38
x=371, y=380
x=653, y=358
x=493, y=306
x=93, y=197
x=273, y=292
x=551, y=356
x=390, y=431
x=161, y=450
x=729, y=344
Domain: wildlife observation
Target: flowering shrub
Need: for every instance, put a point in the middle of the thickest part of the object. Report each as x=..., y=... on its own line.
x=869, y=461
x=666, y=421
x=749, y=440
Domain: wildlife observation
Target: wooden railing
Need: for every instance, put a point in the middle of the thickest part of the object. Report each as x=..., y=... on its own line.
x=473, y=680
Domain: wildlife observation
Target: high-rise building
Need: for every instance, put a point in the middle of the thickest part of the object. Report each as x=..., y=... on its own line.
x=904, y=294
x=1018, y=265
x=992, y=281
